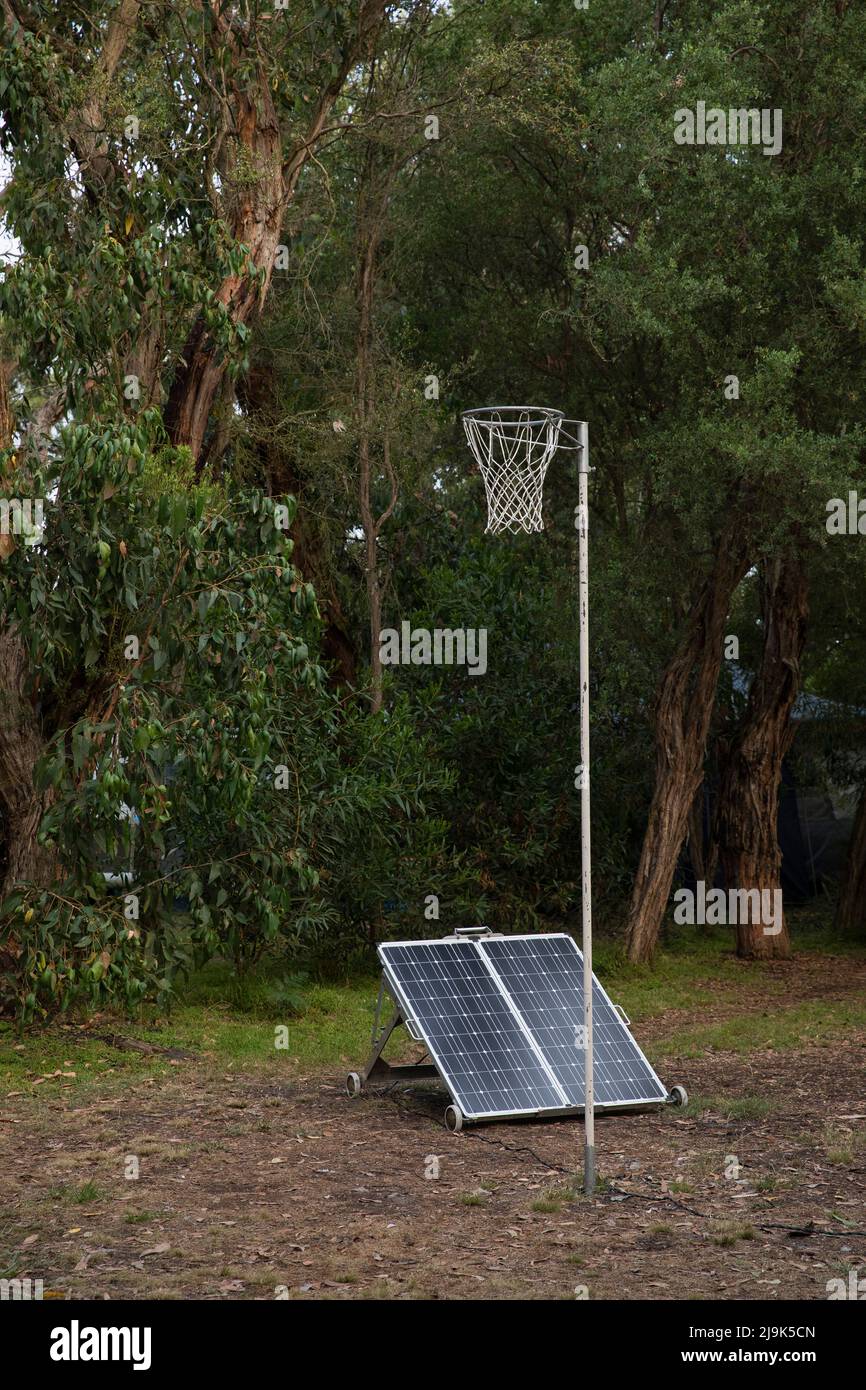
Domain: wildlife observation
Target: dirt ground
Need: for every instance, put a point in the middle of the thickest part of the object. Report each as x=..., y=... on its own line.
x=258, y=1189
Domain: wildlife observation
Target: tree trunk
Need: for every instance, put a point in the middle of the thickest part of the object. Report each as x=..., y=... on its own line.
x=365, y=408
x=747, y=811
x=683, y=710
x=851, y=908
x=256, y=219
x=256, y=222
x=7, y=424
x=703, y=850
x=88, y=136
x=374, y=595
x=371, y=217
x=21, y=805
x=21, y=742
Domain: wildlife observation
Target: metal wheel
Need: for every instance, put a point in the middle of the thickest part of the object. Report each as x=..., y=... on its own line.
x=353, y=1084
x=678, y=1095
x=454, y=1119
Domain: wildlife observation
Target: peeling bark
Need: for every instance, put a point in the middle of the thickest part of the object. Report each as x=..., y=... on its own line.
x=682, y=715
x=21, y=741
x=88, y=139
x=747, y=810
x=256, y=221
x=21, y=805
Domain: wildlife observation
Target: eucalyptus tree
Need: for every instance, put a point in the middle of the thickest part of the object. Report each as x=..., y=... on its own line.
x=701, y=303
x=338, y=407
x=153, y=629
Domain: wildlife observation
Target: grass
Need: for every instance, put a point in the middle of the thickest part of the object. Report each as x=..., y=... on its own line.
x=333, y=1030
x=843, y=1146
x=555, y=1196
x=813, y=1021
x=729, y=1233
x=697, y=965
x=88, y=1192
x=230, y=1025
x=730, y=1108
x=768, y=1183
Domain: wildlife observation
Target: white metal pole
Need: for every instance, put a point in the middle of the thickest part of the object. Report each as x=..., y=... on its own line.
x=585, y=861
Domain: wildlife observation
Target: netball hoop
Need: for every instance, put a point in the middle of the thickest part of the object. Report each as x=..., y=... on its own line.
x=513, y=445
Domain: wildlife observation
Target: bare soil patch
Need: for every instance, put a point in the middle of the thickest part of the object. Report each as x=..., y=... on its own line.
x=247, y=1186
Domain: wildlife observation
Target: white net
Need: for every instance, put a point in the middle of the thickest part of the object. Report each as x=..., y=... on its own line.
x=512, y=445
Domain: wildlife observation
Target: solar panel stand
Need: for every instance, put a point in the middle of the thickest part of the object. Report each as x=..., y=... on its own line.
x=377, y=1069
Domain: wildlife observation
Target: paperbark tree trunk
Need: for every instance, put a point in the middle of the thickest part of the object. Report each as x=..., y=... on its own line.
x=21, y=740
x=747, y=811
x=257, y=217
x=851, y=908
x=682, y=714
x=21, y=745
x=256, y=222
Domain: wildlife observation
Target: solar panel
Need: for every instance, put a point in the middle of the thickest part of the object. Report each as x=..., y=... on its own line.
x=543, y=975
x=500, y=1015
x=484, y=1053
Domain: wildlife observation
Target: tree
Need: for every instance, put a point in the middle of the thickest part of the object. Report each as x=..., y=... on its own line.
x=154, y=632
x=751, y=764
x=188, y=130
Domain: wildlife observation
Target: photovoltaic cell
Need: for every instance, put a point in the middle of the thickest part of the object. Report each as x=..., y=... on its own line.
x=543, y=976
x=480, y=1046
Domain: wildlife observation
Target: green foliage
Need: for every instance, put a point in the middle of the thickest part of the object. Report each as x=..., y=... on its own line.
x=704, y=263
x=199, y=632
x=511, y=733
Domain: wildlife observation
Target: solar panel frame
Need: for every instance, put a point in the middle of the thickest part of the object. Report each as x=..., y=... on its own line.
x=460, y=1087
x=619, y=1064
x=604, y=1006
